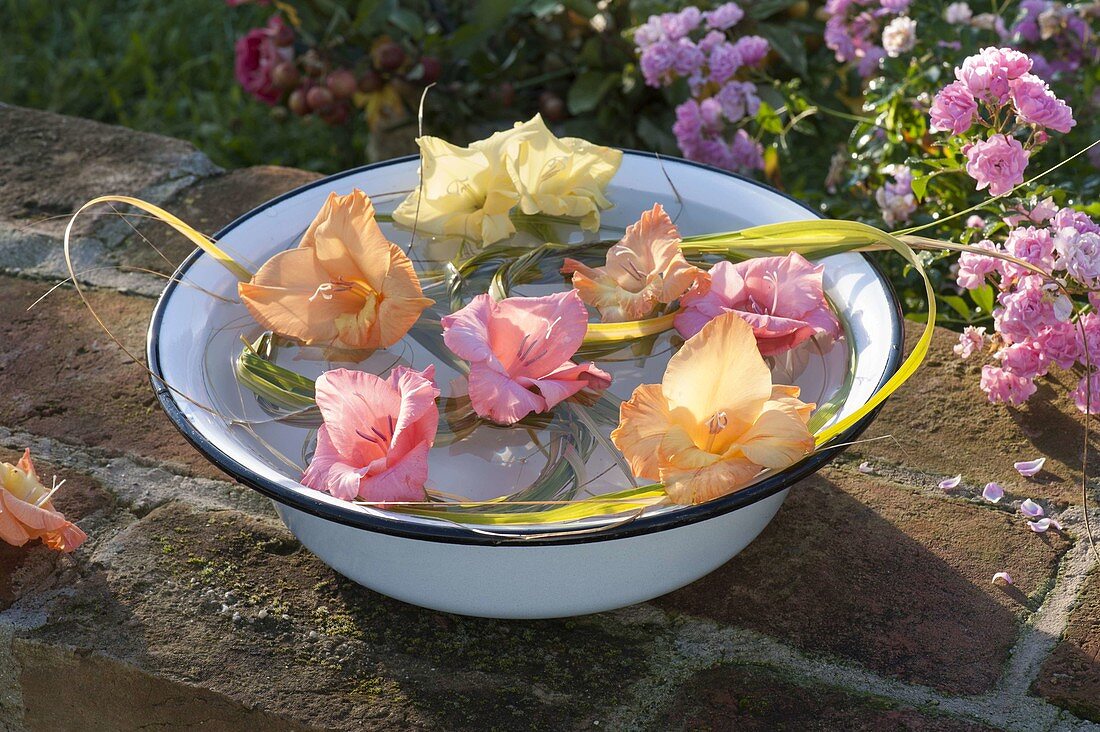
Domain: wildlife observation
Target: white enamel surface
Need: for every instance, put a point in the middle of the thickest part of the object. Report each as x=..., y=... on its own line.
x=504, y=581
x=532, y=581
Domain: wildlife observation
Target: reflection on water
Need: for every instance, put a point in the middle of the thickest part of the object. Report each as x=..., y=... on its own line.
x=476, y=460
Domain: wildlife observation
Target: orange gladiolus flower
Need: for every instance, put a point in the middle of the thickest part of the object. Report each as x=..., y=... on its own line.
x=645, y=269
x=345, y=284
x=26, y=512
x=715, y=421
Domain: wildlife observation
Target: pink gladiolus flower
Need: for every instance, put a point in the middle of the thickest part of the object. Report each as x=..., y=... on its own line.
x=953, y=109
x=376, y=434
x=997, y=163
x=519, y=350
x=256, y=59
x=1005, y=387
x=1031, y=509
x=780, y=297
x=1004, y=577
x=971, y=340
x=993, y=492
x=1028, y=468
x=1036, y=104
x=644, y=270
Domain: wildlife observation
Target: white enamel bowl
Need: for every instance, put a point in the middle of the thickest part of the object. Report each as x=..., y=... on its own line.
x=534, y=572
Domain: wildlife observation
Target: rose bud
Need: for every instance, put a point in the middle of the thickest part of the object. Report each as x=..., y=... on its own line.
x=342, y=83
x=297, y=103
x=319, y=98
x=388, y=56
x=285, y=75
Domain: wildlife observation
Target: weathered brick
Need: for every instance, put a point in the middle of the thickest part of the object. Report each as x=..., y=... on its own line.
x=894, y=580
x=208, y=206
x=746, y=698
x=1070, y=678
x=62, y=377
x=33, y=567
x=941, y=422
x=233, y=604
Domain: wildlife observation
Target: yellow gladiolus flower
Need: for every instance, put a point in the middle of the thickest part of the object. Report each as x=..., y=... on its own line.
x=716, y=420
x=470, y=192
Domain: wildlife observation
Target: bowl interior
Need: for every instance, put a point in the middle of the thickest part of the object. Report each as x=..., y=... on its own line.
x=196, y=333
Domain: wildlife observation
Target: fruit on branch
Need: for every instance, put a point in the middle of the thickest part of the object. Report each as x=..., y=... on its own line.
x=388, y=56
x=319, y=98
x=370, y=81
x=297, y=103
x=341, y=83
x=285, y=75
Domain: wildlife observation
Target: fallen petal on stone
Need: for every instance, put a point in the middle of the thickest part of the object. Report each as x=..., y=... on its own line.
x=993, y=492
x=1031, y=508
x=1028, y=468
x=951, y=483
x=1003, y=577
x=866, y=468
x=1039, y=526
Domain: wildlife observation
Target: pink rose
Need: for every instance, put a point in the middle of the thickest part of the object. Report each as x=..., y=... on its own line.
x=997, y=163
x=953, y=109
x=376, y=434
x=1027, y=309
x=1087, y=394
x=257, y=55
x=1058, y=345
x=519, y=350
x=1034, y=246
x=973, y=267
x=971, y=340
x=780, y=297
x=1022, y=359
x=1037, y=105
x=1004, y=387
x=1079, y=254
x=987, y=74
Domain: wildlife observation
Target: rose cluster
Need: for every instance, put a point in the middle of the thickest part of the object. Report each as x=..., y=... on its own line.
x=896, y=198
x=866, y=31
x=696, y=46
x=1034, y=322
x=1060, y=35
x=995, y=89
x=274, y=66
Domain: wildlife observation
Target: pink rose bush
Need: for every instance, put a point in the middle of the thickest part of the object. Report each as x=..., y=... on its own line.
x=865, y=31
x=996, y=90
x=374, y=442
x=780, y=297
x=519, y=351
x=695, y=46
x=1035, y=325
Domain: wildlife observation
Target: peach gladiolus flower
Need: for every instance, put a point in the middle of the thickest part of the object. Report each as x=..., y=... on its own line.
x=715, y=421
x=519, y=350
x=782, y=298
x=376, y=434
x=645, y=269
x=345, y=284
x=27, y=513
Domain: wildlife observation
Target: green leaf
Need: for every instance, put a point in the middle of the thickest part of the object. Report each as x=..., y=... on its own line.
x=788, y=44
x=765, y=8
x=768, y=120
x=407, y=21
x=589, y=89
x=958, y=305
x=920, y=185
x=983, y=298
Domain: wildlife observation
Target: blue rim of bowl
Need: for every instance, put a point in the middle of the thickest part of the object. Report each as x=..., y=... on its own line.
x=458, y=534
